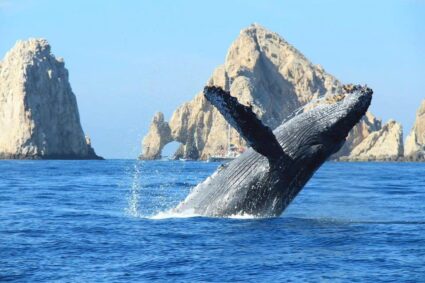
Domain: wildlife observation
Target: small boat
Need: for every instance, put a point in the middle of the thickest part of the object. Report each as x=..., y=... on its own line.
x=219, y=159
x=186, y=159
x=232, y=151
x=231, y=154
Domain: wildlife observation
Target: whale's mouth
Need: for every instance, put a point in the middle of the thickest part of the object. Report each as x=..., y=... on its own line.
x=328, y=120
x=349, y=93
x=339, y=113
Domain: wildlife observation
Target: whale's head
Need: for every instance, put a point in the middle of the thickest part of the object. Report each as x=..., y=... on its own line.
x=322, y=131
x=335, y=121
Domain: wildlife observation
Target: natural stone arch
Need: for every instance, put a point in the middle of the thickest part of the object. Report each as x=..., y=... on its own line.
x=170, y=149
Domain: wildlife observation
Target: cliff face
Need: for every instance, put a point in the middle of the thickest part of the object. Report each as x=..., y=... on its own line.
x=38, y=110
x=385, y=144
x=261, y=69
x=415, y=141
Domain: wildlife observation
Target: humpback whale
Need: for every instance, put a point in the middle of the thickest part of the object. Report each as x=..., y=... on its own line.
x=264, y=180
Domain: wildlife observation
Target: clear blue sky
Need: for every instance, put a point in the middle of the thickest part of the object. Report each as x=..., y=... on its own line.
x=129, y=59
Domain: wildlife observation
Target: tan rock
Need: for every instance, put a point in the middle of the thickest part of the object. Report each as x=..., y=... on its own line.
x=264, y=70
x=415, y=141
x=385, y=144
x=38, y=111
x=159, y=135
x=367, y=125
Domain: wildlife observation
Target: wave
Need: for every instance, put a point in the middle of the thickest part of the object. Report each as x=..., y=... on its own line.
x=190, y=214
x=170, y=214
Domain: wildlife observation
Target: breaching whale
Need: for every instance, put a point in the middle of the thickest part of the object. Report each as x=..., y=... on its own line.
x=267, y=177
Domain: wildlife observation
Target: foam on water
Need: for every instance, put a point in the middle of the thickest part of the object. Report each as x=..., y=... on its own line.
x=191, y=213
x=246, y=216
x=172, y=214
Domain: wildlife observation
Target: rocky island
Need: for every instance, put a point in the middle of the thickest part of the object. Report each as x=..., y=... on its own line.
x=415, y=141
x=264, y=71
x=385, y=144
x=39, y=116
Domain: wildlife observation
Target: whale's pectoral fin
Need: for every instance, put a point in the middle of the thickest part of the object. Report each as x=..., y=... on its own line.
x=244, y=120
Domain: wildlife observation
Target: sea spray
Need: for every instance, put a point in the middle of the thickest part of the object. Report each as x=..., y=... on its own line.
x=134, y=196
x=147, y=196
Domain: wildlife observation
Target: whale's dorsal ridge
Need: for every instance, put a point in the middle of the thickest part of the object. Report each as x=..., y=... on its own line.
x=243, y=119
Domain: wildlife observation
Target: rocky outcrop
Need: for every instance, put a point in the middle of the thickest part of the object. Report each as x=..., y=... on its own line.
x=159, y=135
x=385, y=144
x=265, y=71
x=39, y=117
x=415, y=141
x=369, y=124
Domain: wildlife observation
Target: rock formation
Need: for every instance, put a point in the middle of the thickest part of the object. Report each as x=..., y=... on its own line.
x=39, y=117
x=159, y=135
x=415, y=141
x=385, y=144
x=263, y=70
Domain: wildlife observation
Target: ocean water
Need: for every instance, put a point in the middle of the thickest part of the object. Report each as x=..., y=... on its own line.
x=101, y=221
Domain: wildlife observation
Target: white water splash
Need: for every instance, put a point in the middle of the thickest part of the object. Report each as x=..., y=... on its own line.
x=190, y=213
x=245, y=216
x=134, y=197
x=172, y=214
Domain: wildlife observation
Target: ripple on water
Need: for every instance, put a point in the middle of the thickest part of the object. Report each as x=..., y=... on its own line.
x=89, y=221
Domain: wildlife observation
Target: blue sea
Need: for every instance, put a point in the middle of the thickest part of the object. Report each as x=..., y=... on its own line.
x=106, y=221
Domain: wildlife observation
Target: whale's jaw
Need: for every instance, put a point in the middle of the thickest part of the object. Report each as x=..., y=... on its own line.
x=323, y=129
x=261, y=185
